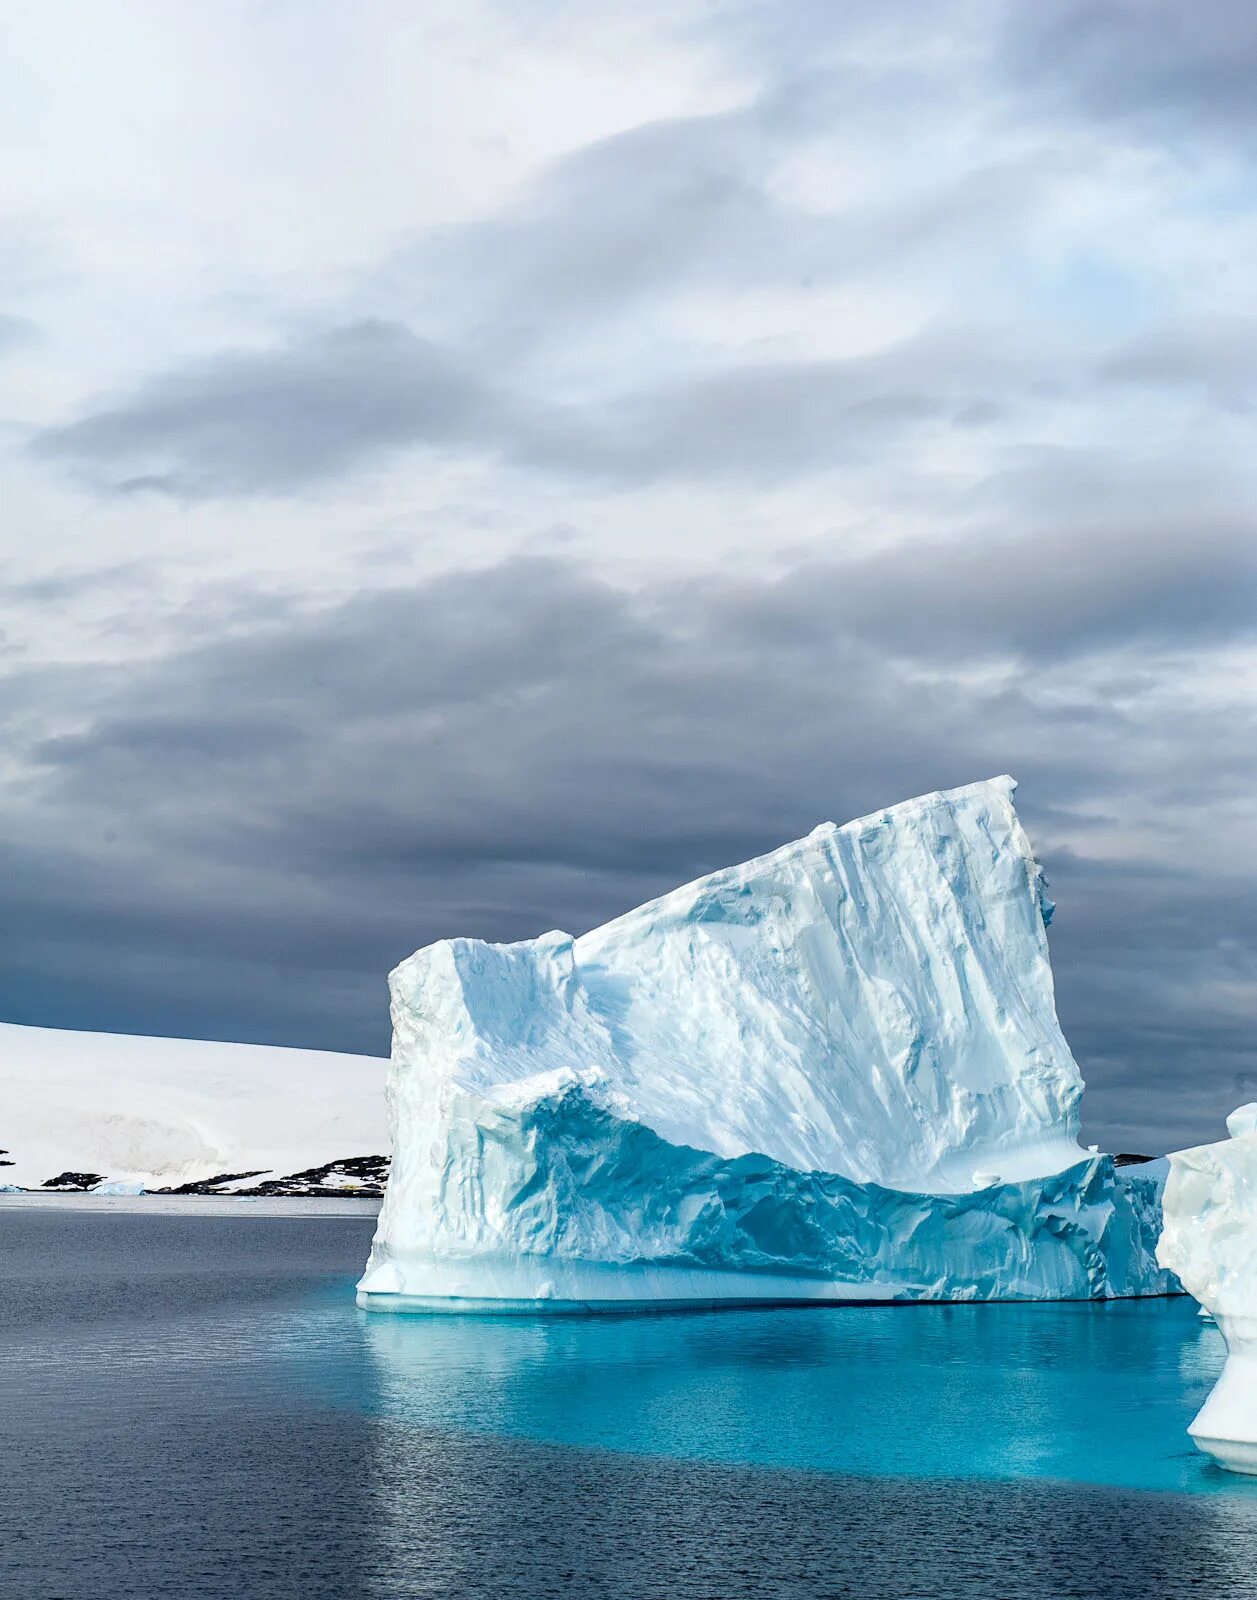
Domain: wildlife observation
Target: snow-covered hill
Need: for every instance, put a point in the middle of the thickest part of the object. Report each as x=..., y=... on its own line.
x=170, y=1113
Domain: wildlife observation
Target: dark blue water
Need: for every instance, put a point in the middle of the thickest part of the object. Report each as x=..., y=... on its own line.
x=193, y=1407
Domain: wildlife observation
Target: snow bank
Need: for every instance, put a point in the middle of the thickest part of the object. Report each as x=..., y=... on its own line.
x=1210, y=1241
x=160, y=1113
x=833, y=1072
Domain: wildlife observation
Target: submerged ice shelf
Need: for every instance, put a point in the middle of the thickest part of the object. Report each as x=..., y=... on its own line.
x=834, y=1072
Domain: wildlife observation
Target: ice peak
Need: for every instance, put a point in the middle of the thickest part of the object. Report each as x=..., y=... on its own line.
x=872, y=999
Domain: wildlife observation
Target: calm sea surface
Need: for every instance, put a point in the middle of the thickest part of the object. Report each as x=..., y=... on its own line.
x=192, y=1406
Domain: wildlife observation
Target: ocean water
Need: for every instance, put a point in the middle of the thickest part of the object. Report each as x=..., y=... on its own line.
x=192, y=1406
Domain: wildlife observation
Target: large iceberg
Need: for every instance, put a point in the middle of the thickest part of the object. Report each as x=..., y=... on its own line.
x=1210, y=1241
x=832, y=1073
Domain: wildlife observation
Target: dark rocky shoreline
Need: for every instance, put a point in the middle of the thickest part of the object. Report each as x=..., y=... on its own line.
x=347, y=1178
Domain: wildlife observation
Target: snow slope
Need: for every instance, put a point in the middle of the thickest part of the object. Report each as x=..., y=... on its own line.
x=833, y=1071
x=166, y=1112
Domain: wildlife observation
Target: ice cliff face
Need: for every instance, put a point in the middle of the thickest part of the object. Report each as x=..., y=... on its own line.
x=833, y=1072
x=1210, y=1241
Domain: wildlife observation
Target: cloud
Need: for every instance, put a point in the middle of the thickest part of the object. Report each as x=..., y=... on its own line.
x=1214, y=356
x=773, y=418
x=490, y=358
x=288, y=418
x=242, y=837
x=273, y=420
x=700, y=201
x=1154, y=64
x=1060, y=592
x=15, y=332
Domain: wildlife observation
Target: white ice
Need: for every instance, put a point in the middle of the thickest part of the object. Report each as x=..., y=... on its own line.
x=148, y=1113
x=1210, y=1241
x=833, y=1072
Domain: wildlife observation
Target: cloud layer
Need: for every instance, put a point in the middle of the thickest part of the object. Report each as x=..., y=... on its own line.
x=260, y=829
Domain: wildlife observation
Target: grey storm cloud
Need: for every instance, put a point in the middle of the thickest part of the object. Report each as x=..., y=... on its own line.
x=1058, y=591
x=1185, y=70
x=1216, y=357
x=271, y=820
x=270, y=420
x=278, y=420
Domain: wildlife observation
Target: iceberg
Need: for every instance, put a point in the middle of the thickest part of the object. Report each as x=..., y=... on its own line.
x=1210, y=1242
x=832, y=1073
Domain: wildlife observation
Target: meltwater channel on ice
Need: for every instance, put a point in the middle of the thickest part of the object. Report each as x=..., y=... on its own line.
x=832, y=1073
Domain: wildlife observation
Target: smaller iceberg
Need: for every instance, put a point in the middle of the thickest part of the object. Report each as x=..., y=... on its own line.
x=119, y=1188
x=1210, y=1240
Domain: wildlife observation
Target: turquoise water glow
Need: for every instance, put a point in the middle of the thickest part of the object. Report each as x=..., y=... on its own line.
x=1095, y=1394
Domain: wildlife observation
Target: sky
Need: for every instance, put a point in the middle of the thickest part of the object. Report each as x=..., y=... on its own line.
x=470, y=467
